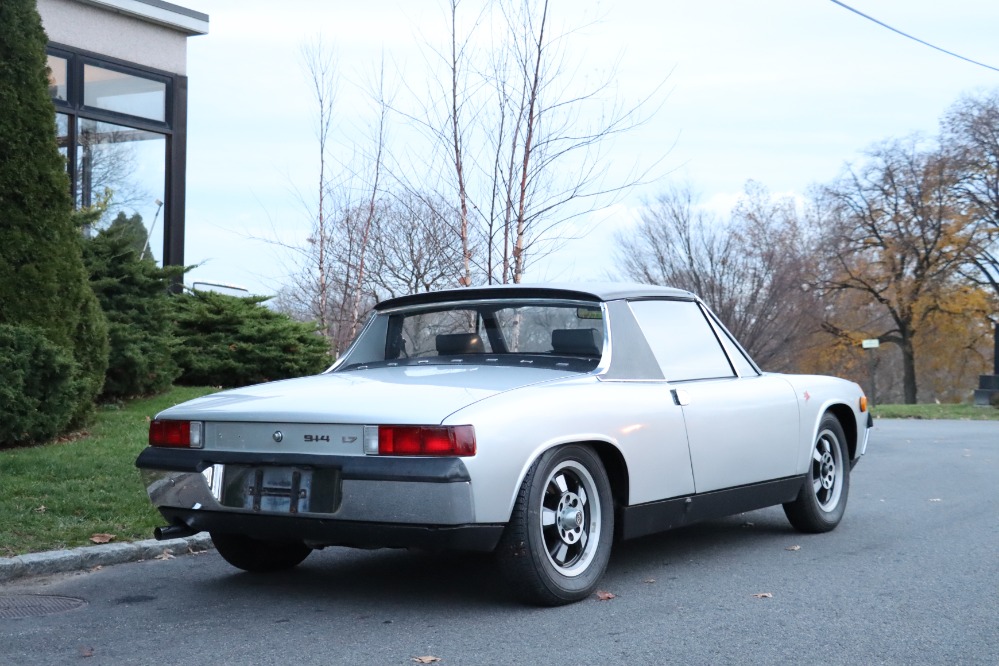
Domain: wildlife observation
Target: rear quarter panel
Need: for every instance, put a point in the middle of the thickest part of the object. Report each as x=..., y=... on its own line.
x=514, y=428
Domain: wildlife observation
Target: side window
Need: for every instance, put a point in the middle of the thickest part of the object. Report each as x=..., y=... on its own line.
x=742, y=364
x=681, y=339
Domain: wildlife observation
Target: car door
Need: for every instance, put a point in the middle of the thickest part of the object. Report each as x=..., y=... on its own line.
x=742, y=426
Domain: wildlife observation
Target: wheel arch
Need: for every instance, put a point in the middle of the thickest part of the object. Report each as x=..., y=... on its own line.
x=848, y=421
x=617, y=470
x=610, y=457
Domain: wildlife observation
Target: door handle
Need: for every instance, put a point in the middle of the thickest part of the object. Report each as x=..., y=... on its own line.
x=680, y=397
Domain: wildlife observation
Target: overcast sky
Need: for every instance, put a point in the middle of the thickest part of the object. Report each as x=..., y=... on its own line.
x=784, y=92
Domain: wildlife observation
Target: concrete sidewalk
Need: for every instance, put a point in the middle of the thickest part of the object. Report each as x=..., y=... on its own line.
x=88, y=557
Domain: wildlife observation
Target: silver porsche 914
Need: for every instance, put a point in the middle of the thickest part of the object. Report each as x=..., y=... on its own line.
x=538, y=422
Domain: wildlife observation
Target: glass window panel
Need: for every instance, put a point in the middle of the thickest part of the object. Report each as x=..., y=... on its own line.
x=62, y=140
x=62, y=132
x=123, y=93
x=742, y=364
x=129, y=166
x=682, y=340
x=57, y=78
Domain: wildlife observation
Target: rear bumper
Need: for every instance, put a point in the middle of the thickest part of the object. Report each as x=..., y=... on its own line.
x=318, y=532
x=376, y=502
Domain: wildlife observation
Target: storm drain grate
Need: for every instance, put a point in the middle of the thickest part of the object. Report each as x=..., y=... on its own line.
x=16, y=606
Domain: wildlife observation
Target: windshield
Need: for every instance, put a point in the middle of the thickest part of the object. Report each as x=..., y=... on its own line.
x=551, y=334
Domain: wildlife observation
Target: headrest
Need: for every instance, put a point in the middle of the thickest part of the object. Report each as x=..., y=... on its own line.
x=576, y=341
x=460, y=343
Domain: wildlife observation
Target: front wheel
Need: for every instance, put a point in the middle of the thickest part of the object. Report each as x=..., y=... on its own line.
x=822, y=500
x=557, y=544
x=259, y=556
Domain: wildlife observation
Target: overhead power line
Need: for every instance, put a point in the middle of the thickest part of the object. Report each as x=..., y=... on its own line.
x=916, y=39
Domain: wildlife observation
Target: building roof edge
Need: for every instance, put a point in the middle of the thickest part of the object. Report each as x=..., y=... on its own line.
x=167, y=14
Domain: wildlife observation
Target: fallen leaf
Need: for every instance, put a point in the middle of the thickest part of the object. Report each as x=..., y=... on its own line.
x=102, y=538
x=165, y=555
x=605, y=596
x=793, y=548
x=429, y=659
x=764, y=595
x=86, y=651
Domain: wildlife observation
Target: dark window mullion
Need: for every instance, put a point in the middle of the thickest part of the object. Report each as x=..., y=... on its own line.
x=89, y=113
x=74, y=82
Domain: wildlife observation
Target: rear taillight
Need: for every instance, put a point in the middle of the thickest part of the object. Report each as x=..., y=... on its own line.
x=407, y=440
x=180, y=434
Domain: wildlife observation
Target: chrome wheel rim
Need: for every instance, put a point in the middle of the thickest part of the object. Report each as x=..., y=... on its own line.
x=827, y=470
x=570, y=518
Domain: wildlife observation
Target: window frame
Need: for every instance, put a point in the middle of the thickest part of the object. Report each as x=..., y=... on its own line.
x=173, y=127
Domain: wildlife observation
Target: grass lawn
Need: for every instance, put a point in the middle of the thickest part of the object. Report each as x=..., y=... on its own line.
x=934, y=411
x=58, y=495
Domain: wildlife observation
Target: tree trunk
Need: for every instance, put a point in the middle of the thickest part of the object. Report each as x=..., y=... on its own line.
x=908, y=369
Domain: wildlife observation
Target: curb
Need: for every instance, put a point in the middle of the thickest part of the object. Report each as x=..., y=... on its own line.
x=88, y=557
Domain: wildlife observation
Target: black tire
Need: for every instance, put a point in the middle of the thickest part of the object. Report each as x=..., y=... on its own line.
x=259, y=556
x=822, y=500
x=557, y=544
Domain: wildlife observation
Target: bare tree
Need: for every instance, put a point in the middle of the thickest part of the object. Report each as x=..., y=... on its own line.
x=413, y=250
x=319, y=64
x=328, y=284
x=522, y=142
x=750, y=268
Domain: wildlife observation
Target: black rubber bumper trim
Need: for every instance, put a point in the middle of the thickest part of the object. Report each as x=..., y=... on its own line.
x=352, y=468
x=327, y=532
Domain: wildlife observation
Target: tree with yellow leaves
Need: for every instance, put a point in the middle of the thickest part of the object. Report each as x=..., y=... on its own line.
x=896, y=232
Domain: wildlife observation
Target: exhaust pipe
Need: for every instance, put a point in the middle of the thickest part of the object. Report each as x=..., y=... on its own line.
x=173, y=532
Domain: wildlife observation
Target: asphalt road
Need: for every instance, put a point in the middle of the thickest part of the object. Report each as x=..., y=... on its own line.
x=911, y=576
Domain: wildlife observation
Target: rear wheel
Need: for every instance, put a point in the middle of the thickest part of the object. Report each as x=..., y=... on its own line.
x=822, y=500
x=558, y=541
x=259, y=556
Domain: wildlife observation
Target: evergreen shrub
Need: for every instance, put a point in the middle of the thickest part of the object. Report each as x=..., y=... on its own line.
x=134, y=294
x=43, y=284
x=37, y=391
x=233, y=341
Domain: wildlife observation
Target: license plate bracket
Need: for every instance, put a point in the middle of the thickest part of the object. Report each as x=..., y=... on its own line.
x=287, y=490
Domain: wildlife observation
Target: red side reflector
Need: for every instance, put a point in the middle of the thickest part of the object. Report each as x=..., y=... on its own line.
x=426, y=440
x=170, y=433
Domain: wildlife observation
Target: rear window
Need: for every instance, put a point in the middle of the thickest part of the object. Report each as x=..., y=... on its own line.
x=563, y=334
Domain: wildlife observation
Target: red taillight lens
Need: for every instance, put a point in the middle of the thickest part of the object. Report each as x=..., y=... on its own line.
x=426, y=440
x=183, y=434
